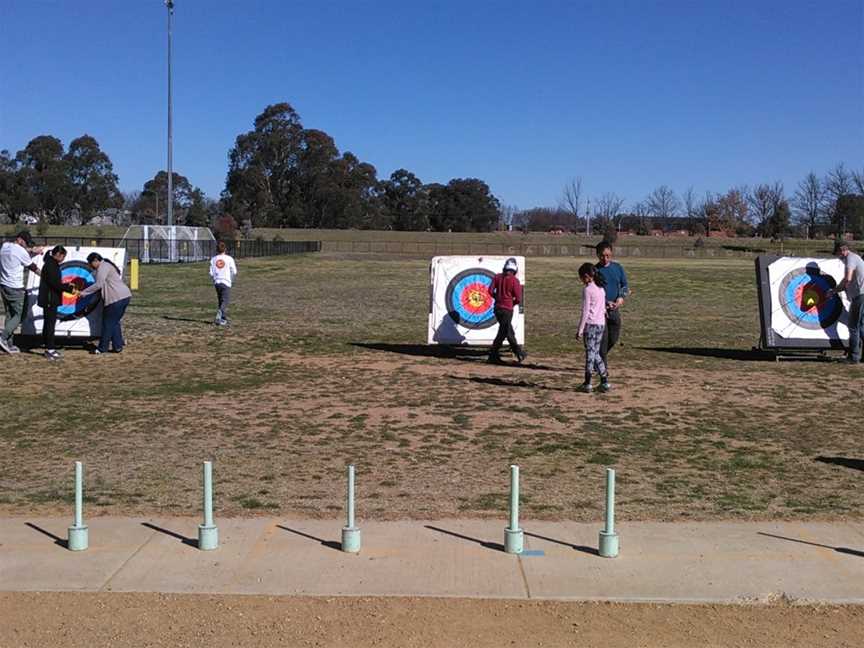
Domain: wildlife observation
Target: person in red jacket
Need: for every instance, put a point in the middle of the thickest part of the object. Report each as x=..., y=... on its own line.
x=507, y=293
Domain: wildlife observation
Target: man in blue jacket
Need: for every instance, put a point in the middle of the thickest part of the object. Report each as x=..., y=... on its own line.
x=616, y=290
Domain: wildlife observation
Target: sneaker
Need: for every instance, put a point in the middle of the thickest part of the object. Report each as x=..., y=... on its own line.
x=494, y=359
x=13, y=348
x=6, y=345
x=52, y=355
x=120, y=350
x=605, y=386
x=95, y=352
x=585, y=388
x=520, y=357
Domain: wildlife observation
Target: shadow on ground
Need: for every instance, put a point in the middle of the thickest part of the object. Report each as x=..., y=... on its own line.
x=747, y=355
x=425, y=350
x=589, y=550
x=330, y=544
x=61, y=542
x=843, y=550
x=501, y=382
x=495, y=546
x=462, y=353
x=855, y=464
x=189, y=542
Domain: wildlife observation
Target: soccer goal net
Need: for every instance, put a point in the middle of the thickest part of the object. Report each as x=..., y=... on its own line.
x=164, y=244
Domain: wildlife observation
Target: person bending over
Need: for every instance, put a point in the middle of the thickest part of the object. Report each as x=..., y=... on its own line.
x=115, y=298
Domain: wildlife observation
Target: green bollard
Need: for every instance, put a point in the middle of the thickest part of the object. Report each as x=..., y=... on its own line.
x=78, y=538
x=513, y=536
x=608, y=537
x=350, y=533
x=208, y=534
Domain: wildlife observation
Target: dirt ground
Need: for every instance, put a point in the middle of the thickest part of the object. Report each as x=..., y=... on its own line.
x=320, y=370
x=47, y=620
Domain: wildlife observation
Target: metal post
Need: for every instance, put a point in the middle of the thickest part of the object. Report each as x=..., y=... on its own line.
x=170, y=5
x=513, y=535
x=208, y=534
x=78, y=537
x=608, y=537
x=350, y=533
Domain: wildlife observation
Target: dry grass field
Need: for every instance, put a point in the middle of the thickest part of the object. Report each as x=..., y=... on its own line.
x=326, y=364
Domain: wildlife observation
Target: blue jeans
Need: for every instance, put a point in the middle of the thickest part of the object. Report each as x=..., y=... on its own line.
x=111, y=329
x=856, y=327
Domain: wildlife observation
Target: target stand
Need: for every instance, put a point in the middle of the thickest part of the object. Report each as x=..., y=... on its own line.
x=799, y=318
x=461, y=309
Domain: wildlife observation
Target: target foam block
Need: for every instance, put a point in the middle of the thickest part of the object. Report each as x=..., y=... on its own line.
x=76, y=316
x=461, y=310
x=797, y=309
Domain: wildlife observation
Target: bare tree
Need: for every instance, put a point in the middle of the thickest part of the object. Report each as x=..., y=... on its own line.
x=764, y=201
x=506, y=215
x=838, y=183
x=809, y=202
x=858, y=180
x=662, y=203
x=691, y=207
x=571, y=201
x=607, y=208
x=642, y=212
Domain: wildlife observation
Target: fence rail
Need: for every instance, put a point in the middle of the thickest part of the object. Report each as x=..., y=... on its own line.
x=439, y=248
x=156, y=250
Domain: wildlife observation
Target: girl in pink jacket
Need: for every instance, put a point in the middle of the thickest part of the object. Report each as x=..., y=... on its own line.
x=591, y=326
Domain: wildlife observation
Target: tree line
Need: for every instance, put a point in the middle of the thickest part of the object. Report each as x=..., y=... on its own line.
x=281, y=174
x=831, y=205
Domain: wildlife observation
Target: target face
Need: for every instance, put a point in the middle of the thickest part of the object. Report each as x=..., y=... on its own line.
x=469, y=302
x=804, y=300
x=80, y=275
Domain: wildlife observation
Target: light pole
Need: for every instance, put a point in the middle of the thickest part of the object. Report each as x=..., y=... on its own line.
x=170, y=218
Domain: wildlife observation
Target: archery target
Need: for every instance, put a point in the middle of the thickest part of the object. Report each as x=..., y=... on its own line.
x=80, y=275
x=805, y=300
x=76, y=316
x=468, y=298
x=798, y=303
x=461, y=309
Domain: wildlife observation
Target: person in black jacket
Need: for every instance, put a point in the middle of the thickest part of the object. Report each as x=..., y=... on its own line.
x=51, y=290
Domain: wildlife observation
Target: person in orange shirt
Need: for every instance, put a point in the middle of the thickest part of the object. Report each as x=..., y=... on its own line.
x=507, y=293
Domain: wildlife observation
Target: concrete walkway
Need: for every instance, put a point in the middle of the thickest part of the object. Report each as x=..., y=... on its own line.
x=692, y=562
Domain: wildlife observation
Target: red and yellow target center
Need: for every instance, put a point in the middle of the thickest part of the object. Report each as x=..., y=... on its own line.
x=476, y=298
x=811, y=299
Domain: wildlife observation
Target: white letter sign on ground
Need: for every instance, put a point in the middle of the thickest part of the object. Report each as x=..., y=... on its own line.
x=77, y=317
x=461, y=310
x=795, y=309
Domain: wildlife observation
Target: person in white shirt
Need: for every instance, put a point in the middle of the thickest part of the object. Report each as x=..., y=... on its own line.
x=853, y=284
x=15, y=257
x=222, y=271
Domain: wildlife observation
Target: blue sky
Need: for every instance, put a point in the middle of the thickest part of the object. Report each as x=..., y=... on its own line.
x=524, y=95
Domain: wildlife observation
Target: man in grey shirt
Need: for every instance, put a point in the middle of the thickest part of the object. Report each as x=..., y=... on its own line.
x=853, y=284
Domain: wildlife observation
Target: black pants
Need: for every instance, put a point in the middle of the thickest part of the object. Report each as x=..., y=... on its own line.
x=611, y=333
x=49, y=323
x=505, y=330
